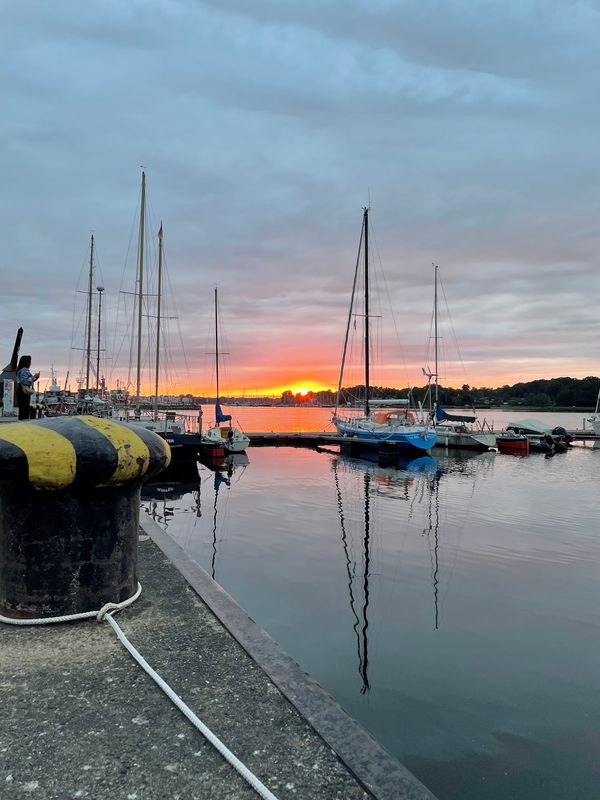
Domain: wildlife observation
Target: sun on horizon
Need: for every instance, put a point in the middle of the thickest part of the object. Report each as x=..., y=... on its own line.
x=306, y=388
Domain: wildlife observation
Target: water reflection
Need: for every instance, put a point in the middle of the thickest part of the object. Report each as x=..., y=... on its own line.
x=361, y=636
x=431, y=531
x=415, y=481
x=448, y=608
x=224, y=470
x=157, y=497
x=409, y=480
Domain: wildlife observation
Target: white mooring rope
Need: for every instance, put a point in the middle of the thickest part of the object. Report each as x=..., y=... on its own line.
x=100, y=615
x=106, y=613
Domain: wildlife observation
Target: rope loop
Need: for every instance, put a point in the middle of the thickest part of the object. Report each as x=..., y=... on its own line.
x=107, y=608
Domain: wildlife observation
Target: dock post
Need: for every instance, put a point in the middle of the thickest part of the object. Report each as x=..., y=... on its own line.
x=69, y=512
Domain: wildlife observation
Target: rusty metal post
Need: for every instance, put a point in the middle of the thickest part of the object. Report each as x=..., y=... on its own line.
x=69, y=512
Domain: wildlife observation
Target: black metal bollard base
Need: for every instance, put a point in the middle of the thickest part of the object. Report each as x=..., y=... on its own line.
x=69, y=512
x=67, y=552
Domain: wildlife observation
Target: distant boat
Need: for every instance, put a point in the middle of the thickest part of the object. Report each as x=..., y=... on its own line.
x=221, y=436
x=454, y=430
x=595, y=418
x=541, y=437
x=398, y=426
x=515, y=444
x=529, y=426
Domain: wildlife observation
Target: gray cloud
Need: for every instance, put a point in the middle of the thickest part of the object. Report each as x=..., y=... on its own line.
x=265, y=126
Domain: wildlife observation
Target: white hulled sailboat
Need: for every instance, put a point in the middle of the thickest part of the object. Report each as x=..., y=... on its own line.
x=223, y=435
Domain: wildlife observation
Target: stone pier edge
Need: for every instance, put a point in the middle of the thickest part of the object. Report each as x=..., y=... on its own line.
x=379, y=772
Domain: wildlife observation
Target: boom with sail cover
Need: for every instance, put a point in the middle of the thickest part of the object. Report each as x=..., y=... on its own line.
x=441, y=415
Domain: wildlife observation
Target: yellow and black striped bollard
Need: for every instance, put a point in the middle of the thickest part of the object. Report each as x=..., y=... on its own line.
x=69, y=512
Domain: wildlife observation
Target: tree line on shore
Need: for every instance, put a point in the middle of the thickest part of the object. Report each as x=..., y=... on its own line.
x=542, y=393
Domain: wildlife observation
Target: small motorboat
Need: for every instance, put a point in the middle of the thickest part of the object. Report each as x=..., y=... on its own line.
x=512, y=443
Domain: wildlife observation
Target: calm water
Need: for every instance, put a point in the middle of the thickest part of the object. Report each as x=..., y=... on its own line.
x=282, y=418
x=451, y=607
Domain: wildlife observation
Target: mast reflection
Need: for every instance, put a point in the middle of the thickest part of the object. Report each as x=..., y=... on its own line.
x=415, y=481
x=361, y=642
x=367, y=560
x=432, y=532
x=223, y=473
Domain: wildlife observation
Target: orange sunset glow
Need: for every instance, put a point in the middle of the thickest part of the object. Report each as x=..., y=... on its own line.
x=245, y=380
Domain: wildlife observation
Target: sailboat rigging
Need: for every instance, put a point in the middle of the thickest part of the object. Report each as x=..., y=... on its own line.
x=185, y=444
x=403, y=428
x=453, y=430
x=158, y=315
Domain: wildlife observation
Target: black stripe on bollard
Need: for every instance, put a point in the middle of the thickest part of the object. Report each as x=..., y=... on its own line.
x=13, y=463
x=96, y=456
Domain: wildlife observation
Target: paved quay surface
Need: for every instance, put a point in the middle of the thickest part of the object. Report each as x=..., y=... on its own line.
x=80, y=719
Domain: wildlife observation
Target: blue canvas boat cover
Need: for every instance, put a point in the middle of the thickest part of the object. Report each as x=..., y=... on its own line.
x=441, y=415
x=219, y=415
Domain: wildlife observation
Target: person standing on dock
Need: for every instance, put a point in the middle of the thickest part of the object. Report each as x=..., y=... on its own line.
x=25, y=381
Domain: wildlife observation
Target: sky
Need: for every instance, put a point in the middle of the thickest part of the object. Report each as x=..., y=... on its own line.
x=469, y=128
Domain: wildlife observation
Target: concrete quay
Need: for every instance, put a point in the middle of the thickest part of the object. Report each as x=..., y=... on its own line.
x=80, y=719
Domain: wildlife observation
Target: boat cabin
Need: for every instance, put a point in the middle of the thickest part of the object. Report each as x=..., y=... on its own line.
x=394, y=416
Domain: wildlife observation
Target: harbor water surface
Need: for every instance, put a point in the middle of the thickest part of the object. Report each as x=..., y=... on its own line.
x=451, y=606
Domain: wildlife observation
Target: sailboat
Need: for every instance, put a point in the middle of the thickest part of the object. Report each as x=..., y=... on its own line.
x=454, y=430
x=398, y=426
x=184, y=443
x=595, y=418
x=221, y=435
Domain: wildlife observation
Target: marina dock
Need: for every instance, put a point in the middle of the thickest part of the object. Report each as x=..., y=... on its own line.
x=320, y=438
x=81, y=719
x=294, y=439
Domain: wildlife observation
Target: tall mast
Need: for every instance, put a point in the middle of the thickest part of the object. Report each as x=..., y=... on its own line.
x=89, y=317
x=349, y=321
x=160, y=260
x=217, y=342
x=366, y=226
x=435, y=329
x=140, y=289
x=99, y=289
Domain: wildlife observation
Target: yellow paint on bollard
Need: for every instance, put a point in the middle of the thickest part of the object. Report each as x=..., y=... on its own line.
x=51, y=459
x=133, y=455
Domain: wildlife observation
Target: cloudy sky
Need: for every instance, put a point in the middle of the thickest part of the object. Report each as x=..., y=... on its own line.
x=264, y=126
